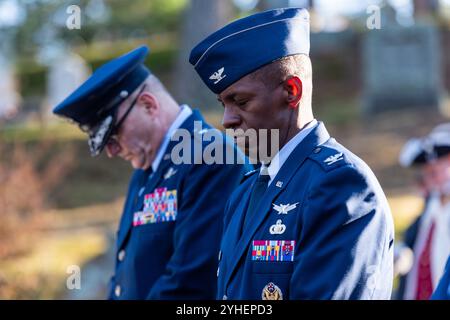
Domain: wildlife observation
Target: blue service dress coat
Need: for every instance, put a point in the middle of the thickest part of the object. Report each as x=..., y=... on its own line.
x=169, y=233
x=442, y=291
x=323, y=230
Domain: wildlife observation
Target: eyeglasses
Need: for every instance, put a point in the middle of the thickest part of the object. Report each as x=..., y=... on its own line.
x=116, y=128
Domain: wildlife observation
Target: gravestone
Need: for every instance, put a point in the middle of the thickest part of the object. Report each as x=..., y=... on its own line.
x=401, y=68
x=9, y=97
x=66, y=72
x=200, y=19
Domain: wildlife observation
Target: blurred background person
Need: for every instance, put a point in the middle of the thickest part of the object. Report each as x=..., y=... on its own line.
x=428, y=237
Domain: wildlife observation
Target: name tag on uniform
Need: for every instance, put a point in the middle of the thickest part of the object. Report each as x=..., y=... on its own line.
x=159, y=206
x=273, y=250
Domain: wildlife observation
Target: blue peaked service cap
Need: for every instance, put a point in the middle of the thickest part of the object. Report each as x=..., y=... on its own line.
x=247, y=44
x=94, y=104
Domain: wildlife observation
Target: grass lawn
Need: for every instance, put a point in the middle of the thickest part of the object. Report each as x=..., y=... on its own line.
x=68, y=237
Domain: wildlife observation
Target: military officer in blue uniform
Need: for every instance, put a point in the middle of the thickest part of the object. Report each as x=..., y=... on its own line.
x=442, y=291
x=313, y=222
x=169, y=233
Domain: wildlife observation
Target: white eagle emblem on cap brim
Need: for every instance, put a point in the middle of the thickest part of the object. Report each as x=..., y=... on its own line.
x=97, y=140
x=218, y=75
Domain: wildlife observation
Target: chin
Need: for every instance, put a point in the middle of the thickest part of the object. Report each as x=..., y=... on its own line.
x=137, y=164
x=141, y=163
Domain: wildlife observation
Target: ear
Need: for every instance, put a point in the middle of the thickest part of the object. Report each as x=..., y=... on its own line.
x=294, y=87
x=149, y=102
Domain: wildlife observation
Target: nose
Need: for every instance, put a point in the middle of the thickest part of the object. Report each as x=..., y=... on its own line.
x=230, y=118
x=112, y=148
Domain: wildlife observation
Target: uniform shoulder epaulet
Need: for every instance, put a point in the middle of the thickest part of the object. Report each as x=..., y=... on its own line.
x=248, y=175
x=328, y=158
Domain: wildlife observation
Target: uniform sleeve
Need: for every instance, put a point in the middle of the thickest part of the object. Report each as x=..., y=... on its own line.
x=345, y=244
x=197, y=234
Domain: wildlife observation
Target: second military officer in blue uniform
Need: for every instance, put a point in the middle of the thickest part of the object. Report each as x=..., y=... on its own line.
x=169, y=233
x=313, y=223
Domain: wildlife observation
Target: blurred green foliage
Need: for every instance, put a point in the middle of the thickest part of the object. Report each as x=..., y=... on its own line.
x=35, y=132
x=45, y=21
x=32, y=75
x=124, y=26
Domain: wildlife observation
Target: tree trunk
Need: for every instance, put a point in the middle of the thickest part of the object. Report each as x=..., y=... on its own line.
x=202, y=17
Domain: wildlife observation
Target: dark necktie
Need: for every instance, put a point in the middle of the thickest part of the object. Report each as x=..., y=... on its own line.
x=258, y=190
x=142, y=182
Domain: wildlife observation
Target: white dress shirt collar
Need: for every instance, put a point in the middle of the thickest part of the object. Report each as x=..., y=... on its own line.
x=280, y=158
x=185, y=112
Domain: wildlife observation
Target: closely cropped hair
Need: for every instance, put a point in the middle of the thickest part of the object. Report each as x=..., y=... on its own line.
x=279, y=70
x=296, y=65
x=154, y=84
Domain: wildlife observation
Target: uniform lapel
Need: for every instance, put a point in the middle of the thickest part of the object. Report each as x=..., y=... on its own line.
x=154, y=181
x=318, y=136
x=129, y=208
x=136, y=198
x=233, y=231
